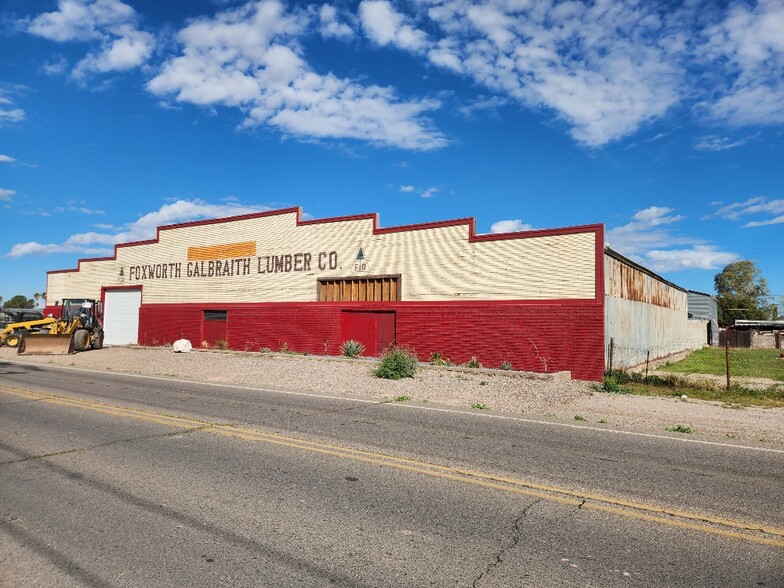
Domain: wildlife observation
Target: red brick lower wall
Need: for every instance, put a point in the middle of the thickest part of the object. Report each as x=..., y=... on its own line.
x=532, y=336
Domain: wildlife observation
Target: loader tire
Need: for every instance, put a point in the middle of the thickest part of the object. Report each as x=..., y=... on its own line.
x=98, y=340
x=13, y=339
x=81, y=340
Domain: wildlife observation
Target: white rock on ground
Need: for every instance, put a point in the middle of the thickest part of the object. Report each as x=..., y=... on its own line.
x=182, y=346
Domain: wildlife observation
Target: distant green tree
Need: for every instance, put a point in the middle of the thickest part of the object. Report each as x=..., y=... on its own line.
x=742, y=293
x=19, y=301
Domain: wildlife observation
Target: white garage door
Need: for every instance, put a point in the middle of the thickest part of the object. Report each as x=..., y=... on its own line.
x=121, y=317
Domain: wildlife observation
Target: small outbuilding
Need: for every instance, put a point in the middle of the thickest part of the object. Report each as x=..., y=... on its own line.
x=704, y=307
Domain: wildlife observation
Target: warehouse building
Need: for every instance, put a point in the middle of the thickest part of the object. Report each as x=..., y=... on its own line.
x=533, y=299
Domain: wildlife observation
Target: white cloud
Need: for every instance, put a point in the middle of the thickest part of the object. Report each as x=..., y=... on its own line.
x=8, y=112
x=595, y=65
x=644, y=232
x=128, y=51
x=718, y=144
x=655, y=215
x=55, y=67
x=109, y=24
x=5, y=194
x=702, y=257
x=749, y=43
x=482, y=104
x=80, y=20
x=753, y=206
x=11, y=115
x=385, y=26
x=330, y=26
x=773, y=221
x=35, y=248
x=89, y=211
x=648, y=239
x=145, y=227
x=6, y=159
x=426, y=193
x=249, y=58
x=604, y=68
x=510, y=226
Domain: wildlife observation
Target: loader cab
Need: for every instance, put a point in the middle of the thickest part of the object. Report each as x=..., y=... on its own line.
x=85, y=309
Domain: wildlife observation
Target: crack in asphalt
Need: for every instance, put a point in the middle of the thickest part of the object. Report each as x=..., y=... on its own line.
x=95, y=446
x=346, y=410
x=515, y=541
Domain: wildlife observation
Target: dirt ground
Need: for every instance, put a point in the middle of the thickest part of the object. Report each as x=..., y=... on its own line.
x=492, y=393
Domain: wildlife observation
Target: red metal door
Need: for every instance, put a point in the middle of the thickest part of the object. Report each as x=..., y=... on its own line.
x=214, y=327
x=385, y=331
x=375, y=330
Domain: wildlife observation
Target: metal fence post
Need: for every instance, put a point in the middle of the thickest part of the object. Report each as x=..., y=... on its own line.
x=727, y=354
x=612, y=348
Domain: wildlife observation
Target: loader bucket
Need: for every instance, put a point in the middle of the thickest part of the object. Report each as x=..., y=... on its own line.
x=46, y=345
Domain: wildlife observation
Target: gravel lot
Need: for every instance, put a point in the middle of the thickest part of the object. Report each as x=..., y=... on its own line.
x=569, y=402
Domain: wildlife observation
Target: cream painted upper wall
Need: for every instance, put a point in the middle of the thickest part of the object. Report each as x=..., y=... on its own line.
x=434, y=263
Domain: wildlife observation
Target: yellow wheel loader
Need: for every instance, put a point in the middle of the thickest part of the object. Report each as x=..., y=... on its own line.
x=78, y=328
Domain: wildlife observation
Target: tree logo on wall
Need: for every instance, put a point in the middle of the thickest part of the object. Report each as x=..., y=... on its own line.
x=360, y=261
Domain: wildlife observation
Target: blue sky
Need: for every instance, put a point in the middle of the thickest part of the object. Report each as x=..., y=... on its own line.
x=664, y=121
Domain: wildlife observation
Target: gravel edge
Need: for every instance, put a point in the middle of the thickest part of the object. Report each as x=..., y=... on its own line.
x=486, y=392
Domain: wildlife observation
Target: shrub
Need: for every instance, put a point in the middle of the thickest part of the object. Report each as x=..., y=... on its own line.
x=612, y=384
x=507, y=365
x=222, y=344
x=439, y=359
x=352, y=348
x=680, y=429
x=396, y=363
x=472, y=363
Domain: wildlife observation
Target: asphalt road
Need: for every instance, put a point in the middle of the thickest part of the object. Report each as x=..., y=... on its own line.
x=111, y=480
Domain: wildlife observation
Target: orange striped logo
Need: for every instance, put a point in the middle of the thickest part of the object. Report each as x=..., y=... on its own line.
x=227, y=251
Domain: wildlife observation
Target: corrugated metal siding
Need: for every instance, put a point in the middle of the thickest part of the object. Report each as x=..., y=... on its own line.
x=437, y=263
x=702, y=306
x=539, y=337
x=629, y=283
x=644, y=317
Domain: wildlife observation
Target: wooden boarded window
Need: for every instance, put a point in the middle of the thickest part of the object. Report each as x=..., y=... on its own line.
x=375, y=289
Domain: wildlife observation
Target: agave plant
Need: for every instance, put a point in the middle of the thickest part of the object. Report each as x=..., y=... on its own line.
x=352, y=348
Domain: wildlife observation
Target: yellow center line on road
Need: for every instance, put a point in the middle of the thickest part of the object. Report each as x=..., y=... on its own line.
x=763, y=534
x=110, y=409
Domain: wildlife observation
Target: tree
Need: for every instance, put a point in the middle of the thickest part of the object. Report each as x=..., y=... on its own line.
x=19, y=301
x=741, y=293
